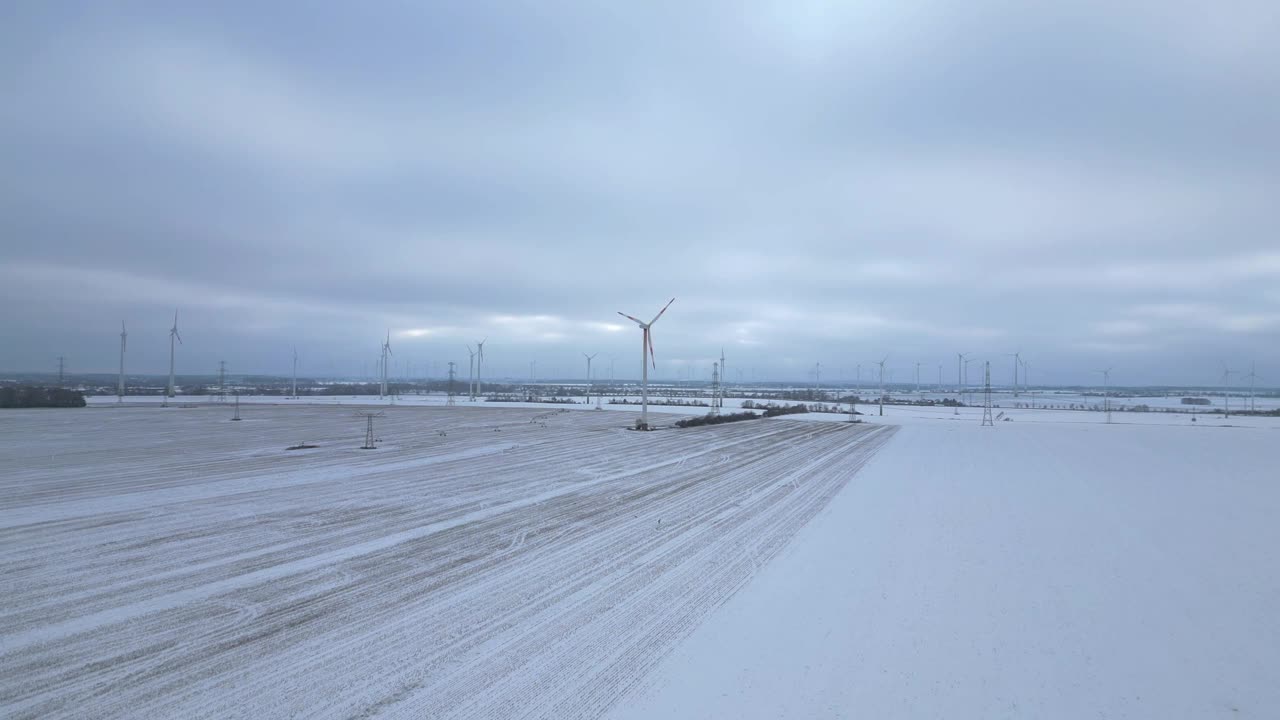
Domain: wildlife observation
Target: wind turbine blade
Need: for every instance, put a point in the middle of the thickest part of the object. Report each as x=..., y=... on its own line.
x=664, y=309
x=648, y=337
x=177, y=335
x=634, y=320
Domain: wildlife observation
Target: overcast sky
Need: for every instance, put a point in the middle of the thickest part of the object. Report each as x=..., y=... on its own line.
x=1092, y=183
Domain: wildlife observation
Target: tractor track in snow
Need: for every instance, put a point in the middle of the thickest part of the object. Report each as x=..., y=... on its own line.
x=513, y=567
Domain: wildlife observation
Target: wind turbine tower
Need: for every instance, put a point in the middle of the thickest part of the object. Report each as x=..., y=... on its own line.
x=471, y=376
x=1017, y=359
x=386, y=353
x=881, y=364
x=589, y=388
x=479, y=364
x=724, y=377
x=646, y=356
x=120, y=383
x=173, y=335
x=1226, y=390
x=451, y=402
x=1026, y=374
x=959, y=362
x=1253, y=377
x=295, y=374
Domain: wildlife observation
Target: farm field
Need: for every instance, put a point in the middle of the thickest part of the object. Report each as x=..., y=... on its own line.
x=1032, y=569
x=483, y=562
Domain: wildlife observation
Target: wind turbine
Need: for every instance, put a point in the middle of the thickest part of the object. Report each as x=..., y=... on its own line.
x=173, y=334
x=724, y=377
x=120, y=385
x=386, y=352
x=1017, y=360
x=589, y=358
x=471, y=376
x=1253, y=377
x=479, y=364
x=881, y=364
x=1026, y=373
x=959, y=361
x=646, y=356
x=295, y=373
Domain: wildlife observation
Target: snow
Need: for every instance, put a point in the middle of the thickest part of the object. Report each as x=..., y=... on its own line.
x=512, y=560
x=526, y=562
x=1028, y=570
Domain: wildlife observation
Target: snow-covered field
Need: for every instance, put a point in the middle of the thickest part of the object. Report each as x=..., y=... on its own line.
x=1032, y=570
x=497, y=560
x=484, y=562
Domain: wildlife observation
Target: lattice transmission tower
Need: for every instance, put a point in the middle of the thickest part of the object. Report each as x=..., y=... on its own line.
x=987, y=420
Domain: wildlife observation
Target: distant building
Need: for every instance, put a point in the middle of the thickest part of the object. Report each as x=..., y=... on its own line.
x=1195, y=401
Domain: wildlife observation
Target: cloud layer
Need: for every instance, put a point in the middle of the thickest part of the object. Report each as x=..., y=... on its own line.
x=1092, y=183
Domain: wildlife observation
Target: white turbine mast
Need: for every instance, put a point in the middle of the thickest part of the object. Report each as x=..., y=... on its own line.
x=1026, y=375
x=295, y=373
x=1017, y=360
x=1253, y=378
x=471, y=375
x=959, y=363
x=589, y=359
x=120, y=383
x=386, y=353
x=724, y=377
x=479, y=364
x=646, y=356
x=1226, y=390
x=173, y=335
x=881, y=364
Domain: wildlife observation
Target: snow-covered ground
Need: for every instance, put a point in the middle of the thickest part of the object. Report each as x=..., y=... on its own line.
x=511, y=560
x=1031, y=570
x=483, y=562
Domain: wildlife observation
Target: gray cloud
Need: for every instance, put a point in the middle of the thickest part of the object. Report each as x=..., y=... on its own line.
x=1092, y=183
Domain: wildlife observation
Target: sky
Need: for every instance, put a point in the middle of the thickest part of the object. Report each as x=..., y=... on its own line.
x=1092, y=184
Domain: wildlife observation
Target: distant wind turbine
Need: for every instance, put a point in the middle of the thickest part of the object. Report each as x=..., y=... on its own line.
x=479, y=364
x=646, y=356
x=471, y=376
x=120, y=385
x=881, y=364
x=386, y=353
x=295, y=373
x=1017, y=360
x=173, y=335
x=1253, y=378
x=589, y=359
